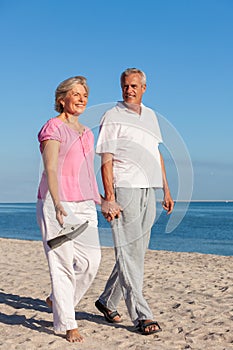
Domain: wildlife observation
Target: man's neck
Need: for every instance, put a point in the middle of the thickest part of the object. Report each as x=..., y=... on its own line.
x=133, y=107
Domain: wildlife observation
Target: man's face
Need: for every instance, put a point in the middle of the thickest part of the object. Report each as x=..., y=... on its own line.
x=132, y=89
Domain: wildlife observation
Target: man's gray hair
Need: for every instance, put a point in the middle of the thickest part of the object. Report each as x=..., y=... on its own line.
x=129, y=71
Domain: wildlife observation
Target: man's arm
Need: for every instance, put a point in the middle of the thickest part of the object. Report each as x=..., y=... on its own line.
x=107, y=176
x=168, y=203
x=110, y=208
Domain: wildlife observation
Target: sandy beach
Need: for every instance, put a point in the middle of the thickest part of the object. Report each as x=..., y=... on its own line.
x=190, y=294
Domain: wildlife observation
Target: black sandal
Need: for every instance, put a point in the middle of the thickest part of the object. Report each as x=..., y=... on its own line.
x=143, y=324
x=109, y=316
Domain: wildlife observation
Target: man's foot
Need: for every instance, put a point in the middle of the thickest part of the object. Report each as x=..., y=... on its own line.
x=73, y=336
x=110, y=316
x=49, y=302
x=147, y=327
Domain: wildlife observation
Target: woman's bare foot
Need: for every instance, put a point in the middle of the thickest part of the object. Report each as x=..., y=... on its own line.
x=49, y=302
x=73, y=336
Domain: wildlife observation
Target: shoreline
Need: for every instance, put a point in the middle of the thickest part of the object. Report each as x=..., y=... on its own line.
x=189, y=293
x=111, y=247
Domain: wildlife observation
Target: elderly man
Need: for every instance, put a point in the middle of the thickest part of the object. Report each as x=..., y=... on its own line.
x=132, y=168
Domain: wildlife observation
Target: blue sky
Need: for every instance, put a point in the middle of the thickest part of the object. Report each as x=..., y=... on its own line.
x=184, y=47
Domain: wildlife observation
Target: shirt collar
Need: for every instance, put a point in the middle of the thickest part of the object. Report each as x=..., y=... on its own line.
x=121, y=107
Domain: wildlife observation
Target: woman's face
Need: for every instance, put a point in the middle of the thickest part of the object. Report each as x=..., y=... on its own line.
x=76, y=100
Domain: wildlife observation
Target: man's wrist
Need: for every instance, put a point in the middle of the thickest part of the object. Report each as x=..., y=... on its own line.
x=166, y=190
x=109, y=195
x=110, y=198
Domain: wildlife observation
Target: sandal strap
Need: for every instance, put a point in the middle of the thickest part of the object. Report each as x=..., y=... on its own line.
x=142, y=324
x=113, y=314
x=109, y=316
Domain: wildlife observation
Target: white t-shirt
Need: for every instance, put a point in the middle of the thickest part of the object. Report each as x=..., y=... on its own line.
x=133, y=140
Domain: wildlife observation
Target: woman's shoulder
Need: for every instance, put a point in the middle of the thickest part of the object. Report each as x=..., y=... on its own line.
x=55, y=121
x=52, y=123
x=49, y=128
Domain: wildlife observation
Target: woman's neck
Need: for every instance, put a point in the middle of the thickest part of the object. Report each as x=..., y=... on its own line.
x=72, y=121
x=70, y=118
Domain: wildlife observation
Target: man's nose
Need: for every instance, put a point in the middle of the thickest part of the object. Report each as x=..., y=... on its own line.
x=129, y=88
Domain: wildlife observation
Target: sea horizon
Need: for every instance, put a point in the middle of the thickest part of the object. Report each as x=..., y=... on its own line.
x=176, y=201
x=206, y=226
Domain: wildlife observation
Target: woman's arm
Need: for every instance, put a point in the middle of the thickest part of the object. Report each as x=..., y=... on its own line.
x=50, y=153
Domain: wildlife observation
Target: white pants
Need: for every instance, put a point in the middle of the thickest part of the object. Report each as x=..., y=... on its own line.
x=74, y=264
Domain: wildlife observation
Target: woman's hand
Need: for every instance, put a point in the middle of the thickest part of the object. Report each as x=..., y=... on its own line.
x=60, y=211
x=110, y=209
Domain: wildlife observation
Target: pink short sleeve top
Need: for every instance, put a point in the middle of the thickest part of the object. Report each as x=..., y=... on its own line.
x=76, y=176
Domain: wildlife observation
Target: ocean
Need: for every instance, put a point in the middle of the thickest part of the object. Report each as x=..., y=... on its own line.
x=206, y=227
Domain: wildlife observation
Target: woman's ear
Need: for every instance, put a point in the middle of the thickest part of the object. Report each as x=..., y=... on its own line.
x=62, y=102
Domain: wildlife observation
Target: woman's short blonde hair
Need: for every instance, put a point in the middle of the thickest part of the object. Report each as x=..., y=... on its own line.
x=65, y=86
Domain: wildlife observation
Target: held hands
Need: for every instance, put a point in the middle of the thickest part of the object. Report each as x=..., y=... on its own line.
x=110, y=209
x=60, y=211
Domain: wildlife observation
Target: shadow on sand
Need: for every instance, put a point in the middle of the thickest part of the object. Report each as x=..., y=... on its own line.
x=17, y=318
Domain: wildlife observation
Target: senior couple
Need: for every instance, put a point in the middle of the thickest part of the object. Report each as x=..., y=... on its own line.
x=132, y=168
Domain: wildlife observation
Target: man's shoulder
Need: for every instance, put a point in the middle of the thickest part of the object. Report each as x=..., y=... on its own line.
x=148, y=109
x=150, y=115
x=113, y=114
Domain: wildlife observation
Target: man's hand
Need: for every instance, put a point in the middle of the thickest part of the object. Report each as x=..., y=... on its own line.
x=168, y=203
x=110, y=209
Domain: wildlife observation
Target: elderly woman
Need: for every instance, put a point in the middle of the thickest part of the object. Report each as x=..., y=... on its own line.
x=67, y=194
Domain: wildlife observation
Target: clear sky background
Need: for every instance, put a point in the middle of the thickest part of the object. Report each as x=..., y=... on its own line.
x=185, y=48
